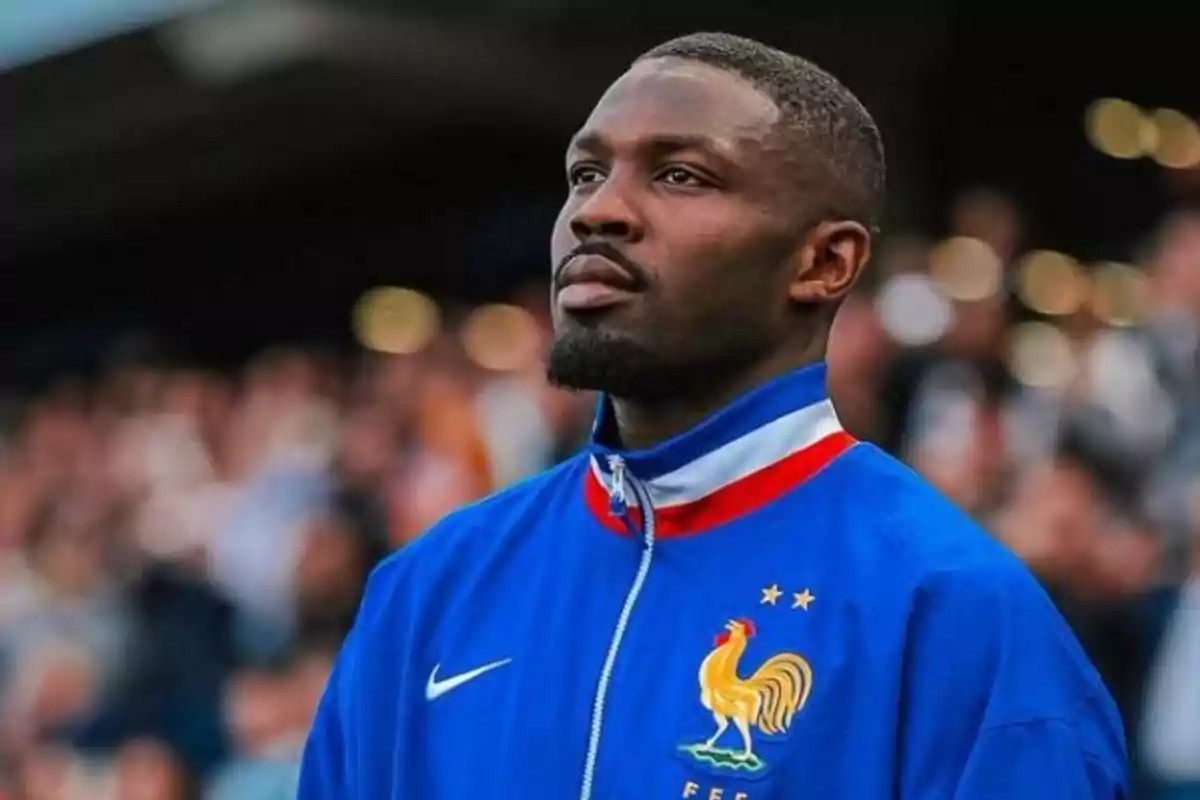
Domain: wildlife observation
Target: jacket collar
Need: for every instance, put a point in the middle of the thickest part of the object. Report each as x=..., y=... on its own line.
x=740, y=458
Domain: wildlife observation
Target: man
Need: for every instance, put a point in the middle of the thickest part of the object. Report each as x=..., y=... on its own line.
x=725, y=597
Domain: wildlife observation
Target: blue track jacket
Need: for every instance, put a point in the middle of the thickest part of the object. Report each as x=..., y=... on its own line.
x=761, y=608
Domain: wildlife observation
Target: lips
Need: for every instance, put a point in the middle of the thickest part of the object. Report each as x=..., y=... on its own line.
x=596, y=268
x=593, y=281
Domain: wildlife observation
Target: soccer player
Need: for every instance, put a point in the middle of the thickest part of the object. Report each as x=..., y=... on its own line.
x=725, y=596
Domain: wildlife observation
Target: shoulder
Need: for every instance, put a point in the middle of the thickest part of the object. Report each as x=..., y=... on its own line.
x=473, y=530
x=927, y=536
x=943, y=556
x=974, y=608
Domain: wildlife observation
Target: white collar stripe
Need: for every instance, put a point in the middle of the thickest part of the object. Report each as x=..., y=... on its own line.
x=740, y=458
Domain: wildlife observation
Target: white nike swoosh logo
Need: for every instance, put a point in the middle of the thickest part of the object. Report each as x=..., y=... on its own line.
x=435, y=688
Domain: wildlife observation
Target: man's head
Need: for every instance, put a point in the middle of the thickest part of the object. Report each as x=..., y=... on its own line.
x=722, y=197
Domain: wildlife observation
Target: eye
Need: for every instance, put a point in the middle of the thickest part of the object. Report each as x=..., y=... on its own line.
x=584, y=174
x=681, y=176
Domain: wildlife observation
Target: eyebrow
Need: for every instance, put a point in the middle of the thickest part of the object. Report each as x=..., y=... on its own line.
x=661, y=144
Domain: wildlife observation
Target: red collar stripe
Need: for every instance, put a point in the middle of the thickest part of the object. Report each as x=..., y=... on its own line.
x=729, y=501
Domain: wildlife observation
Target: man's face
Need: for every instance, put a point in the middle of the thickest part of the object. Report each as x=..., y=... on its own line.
x=670, y=256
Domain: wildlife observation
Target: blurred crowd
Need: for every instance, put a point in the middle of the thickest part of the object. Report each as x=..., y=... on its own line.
x=183, y=550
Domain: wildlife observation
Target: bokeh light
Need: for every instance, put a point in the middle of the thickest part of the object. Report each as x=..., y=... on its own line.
x=1041, y=356
x=1177, y=144
x=393, y=320
x=1119, y=294
x=912, y=311
x=1051, y=283
x=1119, y=128
x=966, y=269
x=502, y=338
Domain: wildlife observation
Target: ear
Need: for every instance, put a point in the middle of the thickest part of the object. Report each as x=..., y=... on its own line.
x=829, y=262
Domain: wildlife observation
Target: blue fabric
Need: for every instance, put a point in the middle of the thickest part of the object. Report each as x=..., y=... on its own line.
x=757, y=408
x=935, y=665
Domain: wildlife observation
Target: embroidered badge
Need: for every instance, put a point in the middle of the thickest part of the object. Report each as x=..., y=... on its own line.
x=765, y=702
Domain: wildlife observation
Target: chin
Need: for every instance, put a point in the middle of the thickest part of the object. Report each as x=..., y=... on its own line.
x=602, y=318
x=594, y=359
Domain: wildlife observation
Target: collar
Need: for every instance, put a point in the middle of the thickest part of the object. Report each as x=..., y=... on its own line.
x=742, y=457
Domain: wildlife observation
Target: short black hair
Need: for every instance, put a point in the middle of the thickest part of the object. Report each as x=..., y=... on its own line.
x=834, y=139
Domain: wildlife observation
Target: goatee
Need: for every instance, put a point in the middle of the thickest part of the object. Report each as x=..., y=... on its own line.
x=590, y=360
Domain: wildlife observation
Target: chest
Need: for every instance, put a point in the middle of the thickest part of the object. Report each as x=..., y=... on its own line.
x=708, y=677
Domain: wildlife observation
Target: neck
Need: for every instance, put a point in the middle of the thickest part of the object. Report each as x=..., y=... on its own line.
x=641, y=425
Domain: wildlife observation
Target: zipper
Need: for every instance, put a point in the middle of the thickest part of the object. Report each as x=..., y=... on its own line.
x=622, y=482
x=618, y=501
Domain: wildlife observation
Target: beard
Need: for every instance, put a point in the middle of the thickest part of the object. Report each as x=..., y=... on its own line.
x=621, y=366
x=591, y=360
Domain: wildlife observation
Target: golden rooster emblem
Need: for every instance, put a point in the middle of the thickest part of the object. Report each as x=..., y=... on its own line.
x=767, y=700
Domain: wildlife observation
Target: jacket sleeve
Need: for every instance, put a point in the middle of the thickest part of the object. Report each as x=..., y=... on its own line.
x=1036, y=761
x=326, y=767
x=340, y=753
x=998, y=699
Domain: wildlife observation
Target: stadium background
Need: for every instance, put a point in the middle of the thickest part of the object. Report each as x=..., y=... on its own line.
x=273, y=300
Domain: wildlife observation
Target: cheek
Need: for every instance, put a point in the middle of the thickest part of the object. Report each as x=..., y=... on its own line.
x=699, y=236
x=736, y=240
x=714, y=310
x=727, y=275
x=561, y=237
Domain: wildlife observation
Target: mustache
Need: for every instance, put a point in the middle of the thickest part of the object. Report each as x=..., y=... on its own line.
x=605, y=250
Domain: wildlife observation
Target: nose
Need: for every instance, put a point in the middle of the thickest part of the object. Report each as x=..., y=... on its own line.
x=607, y=212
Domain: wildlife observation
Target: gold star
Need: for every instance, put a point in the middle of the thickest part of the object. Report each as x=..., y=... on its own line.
x=802, y=599
x=771, y=594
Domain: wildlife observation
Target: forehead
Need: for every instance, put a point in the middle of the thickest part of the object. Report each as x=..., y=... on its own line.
x=671, y=97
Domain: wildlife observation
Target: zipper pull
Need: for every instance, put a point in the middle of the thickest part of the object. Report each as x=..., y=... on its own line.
x=618, y=502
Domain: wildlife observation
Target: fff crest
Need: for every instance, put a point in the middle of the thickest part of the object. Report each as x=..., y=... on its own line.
x=759, y=706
